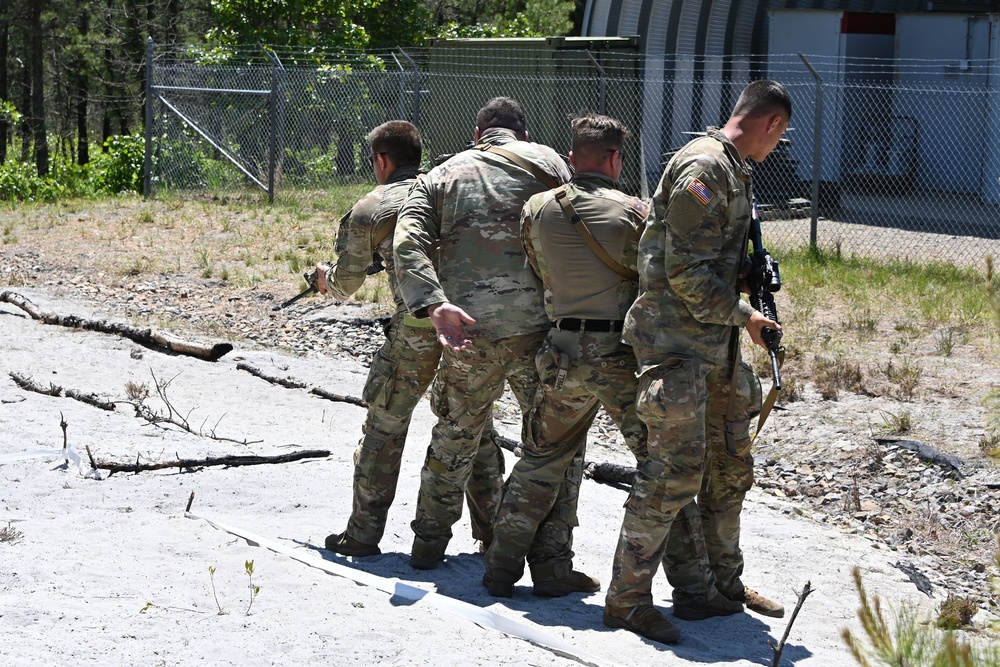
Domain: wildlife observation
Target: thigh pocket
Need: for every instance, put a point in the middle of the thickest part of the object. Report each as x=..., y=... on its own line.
x=749, y=397
x=366, y=457
x=668, y=392
x=381, y=379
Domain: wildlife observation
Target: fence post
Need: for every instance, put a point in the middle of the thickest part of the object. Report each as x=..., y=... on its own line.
x=817, y=140
x=147, y=158
x=272, y=109
x=416, y=89
x=402, y=85
x=602, y=85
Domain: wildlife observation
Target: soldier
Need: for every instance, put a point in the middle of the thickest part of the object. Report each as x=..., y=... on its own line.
x=581, y=241
x=684, y=328
x=483, y=299
x=404, y=366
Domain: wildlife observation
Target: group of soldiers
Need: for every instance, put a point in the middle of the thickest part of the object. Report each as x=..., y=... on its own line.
x=509, y=266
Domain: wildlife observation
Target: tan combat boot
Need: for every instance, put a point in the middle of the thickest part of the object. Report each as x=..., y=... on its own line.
x=344, y=544
x=554, y=581
x=644, y=620
x=757, y=602
x=690, y=607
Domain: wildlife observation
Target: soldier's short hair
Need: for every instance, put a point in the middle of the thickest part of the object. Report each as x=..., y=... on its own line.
x=595, y=135
x=503, y=112
x=399, y=140
x=762, y=98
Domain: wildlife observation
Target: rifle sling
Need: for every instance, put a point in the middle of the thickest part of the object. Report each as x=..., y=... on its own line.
x=584, y=232
x=772, y=396
x=523, y=163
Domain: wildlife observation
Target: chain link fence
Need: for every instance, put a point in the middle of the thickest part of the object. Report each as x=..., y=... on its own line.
x=885, y=158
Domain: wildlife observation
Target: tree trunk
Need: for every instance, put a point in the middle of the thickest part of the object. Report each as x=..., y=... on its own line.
x=38, y=91
x=4, y=93
x=82, y=94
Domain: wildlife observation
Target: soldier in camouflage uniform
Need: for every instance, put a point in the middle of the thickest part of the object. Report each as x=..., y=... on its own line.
x=582, y=364
x=684, y=328
x=485, y=302
x=404, y=366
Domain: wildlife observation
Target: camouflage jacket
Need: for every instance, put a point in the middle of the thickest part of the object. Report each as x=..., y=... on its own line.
x=467, y=210
x=690, y=255
x=577, y=283
x=355, y=246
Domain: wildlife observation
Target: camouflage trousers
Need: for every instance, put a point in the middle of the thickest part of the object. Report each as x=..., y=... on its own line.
x=465, y=387
x=400, y=373
x=578, y=372
x=685, y=504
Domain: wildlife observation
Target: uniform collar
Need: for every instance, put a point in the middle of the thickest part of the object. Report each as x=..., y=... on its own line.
x=730, y=148
x=496, y=136
x=595, y=177
x=403, y=173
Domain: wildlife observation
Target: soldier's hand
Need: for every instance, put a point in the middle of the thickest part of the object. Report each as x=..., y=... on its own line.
x=321, y=285
x=448, y=320
x=755, y=327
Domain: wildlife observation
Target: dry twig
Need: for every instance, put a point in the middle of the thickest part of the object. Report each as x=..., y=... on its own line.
x=806, y=590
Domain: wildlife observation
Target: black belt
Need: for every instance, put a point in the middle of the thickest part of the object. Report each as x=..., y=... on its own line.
x=573, y=324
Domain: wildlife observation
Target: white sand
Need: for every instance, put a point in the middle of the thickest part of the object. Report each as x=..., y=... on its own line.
x=110, y=571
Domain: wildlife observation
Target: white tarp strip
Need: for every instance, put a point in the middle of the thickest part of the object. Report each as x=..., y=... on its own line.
x=481, y=617
x=69, y=453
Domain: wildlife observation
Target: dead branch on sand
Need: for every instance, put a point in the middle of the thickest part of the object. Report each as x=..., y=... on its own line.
x=191, y=464
x=291, y=383
x=173, y=416
x=55, y=390
x=149, y=337
x=806, y=590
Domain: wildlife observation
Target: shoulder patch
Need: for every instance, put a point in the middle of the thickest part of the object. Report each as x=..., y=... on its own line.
x=701, y=192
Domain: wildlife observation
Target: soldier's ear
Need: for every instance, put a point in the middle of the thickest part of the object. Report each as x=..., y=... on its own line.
x=476, y=135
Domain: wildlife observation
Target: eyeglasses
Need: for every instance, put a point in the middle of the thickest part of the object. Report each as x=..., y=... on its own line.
x=371, y=156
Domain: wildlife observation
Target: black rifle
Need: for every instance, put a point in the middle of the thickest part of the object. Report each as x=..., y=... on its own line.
x=764, y=280
x=311, y=281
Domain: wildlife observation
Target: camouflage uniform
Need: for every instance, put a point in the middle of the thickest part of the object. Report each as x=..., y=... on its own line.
x=400, y=373
x=684, y=329
x=467, y=211
x=578, y=371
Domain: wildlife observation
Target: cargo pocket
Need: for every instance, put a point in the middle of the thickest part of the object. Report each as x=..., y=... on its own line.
x=366, y=457
x=749, y=400
x=381, y=378
x=647, y=480
x=668, y=392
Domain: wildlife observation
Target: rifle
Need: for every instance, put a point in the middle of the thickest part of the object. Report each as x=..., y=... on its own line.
x=310, y=279
x=764, y=280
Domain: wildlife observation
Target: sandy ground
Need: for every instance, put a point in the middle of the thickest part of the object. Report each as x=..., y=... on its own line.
x=111, y=571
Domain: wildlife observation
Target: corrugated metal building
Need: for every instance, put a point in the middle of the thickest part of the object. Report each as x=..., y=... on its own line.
x=728, y=27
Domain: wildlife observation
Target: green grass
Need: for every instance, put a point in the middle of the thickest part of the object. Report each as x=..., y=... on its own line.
x=940, y=293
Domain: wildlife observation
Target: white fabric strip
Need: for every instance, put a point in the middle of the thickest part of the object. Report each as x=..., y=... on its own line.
x=68, y=453
x=481, y=617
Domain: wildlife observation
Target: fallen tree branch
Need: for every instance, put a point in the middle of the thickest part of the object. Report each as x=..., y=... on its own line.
x=229, y=461
x=173, y=416
x=806, y=590
x=149, y=337
x=55, y=390
x=606, y=473
x=291, y=383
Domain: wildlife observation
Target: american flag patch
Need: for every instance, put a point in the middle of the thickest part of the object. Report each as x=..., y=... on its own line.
x=701, y=192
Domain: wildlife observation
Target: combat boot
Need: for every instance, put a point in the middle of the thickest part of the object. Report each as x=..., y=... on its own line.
x=690, y=607
x=644, y=620
x=426, y=555
x=344, y=544
x=554, y=581
x=757, y=602
x=497, y=588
